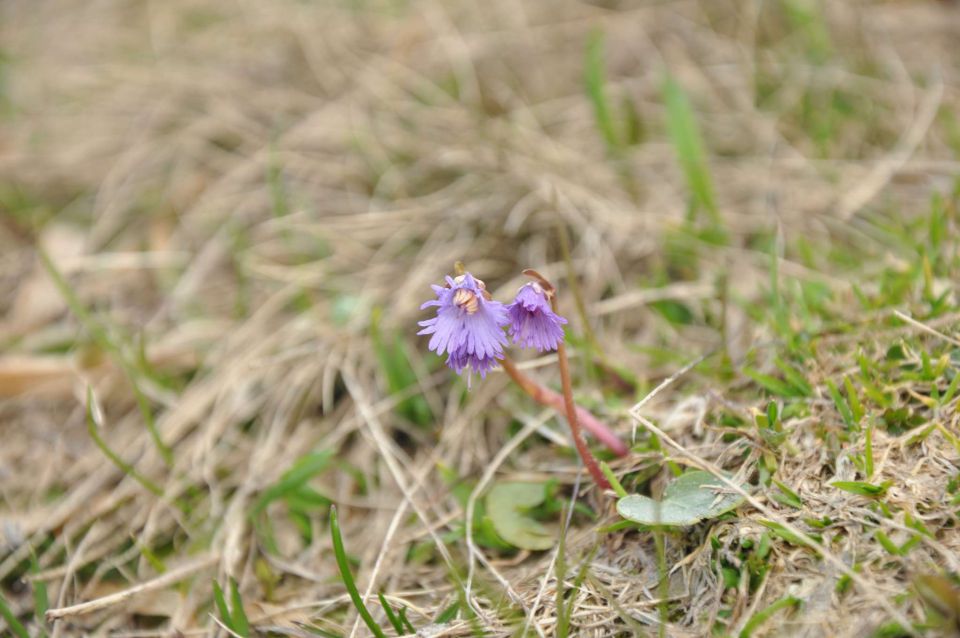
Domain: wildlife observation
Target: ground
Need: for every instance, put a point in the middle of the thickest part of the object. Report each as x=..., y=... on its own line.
x=218, y=221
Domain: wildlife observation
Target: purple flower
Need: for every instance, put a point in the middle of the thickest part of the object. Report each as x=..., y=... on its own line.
x=533, y=324
x=468, y=325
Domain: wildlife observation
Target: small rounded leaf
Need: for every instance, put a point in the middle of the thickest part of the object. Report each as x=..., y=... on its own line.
x=506, y=503
x=691, y=498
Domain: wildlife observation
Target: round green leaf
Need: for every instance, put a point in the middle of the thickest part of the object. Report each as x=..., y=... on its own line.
x=691, y=498
x=506, y=504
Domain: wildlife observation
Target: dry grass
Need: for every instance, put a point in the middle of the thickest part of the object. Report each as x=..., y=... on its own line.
x=240, y=186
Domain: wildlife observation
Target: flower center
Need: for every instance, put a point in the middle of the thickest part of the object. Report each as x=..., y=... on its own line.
x=466, y=300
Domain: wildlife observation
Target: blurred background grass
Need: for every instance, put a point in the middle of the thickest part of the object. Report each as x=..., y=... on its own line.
x=218, y=220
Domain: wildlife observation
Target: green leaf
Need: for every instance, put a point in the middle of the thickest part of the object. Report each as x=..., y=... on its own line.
x=485, y=532
x=863, y=488
x=506, y=503
x=691, y=498
x=772, y=414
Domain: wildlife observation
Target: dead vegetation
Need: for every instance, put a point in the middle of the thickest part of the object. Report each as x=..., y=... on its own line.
x=247, y=203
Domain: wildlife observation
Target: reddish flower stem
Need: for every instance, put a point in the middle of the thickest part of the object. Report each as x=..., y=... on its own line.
x=588, y=459
x=546, y=396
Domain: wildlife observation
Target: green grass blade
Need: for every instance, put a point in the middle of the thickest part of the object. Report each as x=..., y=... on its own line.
x=842, y=406
x=663, y=584
x=560, y=572
x=407, y=625
x=294, y=479
x=143, y=404
x=595, y=82
x=688, y=144
x=787, y=496
x=581, y=576
x=319, y=631
x=868, y=452
x=764, y=614
x=41, y=600
x=393, y=355
x=240, y=623
x=614, y=481
x=344, y=566
x=887, y=544
x=221, y=602
x=123, y=466
x=573, y=281
x=951, y=390
x=787, y=535
x=855, y=406
x=278, y=191
x=862, y=488
x=794, y=377
x=151, y=557
x=447, y=614
x=772, y=384
x=13, y=624
x=391, y=616
x=105, y=341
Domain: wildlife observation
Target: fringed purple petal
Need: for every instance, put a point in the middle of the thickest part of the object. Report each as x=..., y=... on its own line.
x=533, y=324
x=471, y=339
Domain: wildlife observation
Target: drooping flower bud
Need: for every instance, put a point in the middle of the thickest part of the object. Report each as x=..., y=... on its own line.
x=533, y=323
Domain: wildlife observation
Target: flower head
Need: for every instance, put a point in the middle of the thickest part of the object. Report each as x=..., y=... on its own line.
x=533, y=324
x=468, y=326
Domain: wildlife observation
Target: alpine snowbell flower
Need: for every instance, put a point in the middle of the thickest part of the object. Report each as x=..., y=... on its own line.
x=533, y=324
x=468, y=326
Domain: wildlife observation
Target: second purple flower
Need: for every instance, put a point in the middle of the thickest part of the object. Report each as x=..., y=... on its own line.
x=533, y=323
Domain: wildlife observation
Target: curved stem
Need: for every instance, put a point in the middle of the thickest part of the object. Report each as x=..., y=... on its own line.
x=585, y=454
x=546, y=396
x=565, y=403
